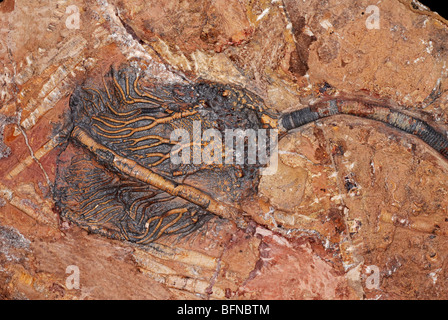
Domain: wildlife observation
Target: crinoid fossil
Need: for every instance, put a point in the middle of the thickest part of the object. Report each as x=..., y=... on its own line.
x=135, y=182
x=150, y=160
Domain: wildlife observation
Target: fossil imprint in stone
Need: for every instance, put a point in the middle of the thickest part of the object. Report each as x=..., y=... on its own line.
x=126, y=186
x=121, y=182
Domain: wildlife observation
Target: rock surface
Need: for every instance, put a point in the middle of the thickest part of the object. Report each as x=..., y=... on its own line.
x=358, y=209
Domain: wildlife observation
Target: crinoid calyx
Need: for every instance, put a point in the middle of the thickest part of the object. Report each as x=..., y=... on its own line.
x=120, y=178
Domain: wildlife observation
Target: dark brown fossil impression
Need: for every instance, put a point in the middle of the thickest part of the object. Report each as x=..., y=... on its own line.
x=123, y=182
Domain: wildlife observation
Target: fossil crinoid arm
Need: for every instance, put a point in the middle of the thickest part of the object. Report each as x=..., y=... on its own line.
x=133, y=169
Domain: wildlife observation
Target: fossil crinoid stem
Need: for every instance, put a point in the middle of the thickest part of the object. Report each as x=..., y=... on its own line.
x=134, y=170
